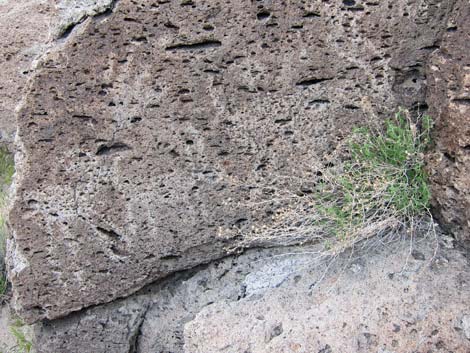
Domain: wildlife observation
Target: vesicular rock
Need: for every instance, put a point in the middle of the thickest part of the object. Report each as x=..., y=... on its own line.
x=166, y=133
x=381, y=298
x=23, y=43
x=449, y=101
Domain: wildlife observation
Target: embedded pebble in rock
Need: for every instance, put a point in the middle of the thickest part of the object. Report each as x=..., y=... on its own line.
x=161, y=135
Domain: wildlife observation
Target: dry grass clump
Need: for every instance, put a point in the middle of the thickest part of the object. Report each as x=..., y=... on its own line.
x=383, y=184
x=380, y=187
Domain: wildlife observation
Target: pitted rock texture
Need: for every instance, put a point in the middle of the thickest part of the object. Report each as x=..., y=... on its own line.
x=449, y=101
x=20, y=45
x=388, y=296
x=164, y=134
x=23, y=43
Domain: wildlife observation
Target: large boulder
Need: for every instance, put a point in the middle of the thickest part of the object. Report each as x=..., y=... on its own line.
x=449, y=101
x=166, y=134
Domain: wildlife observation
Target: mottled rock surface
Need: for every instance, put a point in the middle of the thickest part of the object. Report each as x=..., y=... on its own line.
x=389, y=296
x=164, y=134
x=20, y=45
x=24, y=42
x=449, y=101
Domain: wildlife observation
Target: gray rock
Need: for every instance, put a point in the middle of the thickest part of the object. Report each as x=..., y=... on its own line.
x=95, y=331
x=317, y=308
x=168, y=134
x=466, y=326
x=72, y=12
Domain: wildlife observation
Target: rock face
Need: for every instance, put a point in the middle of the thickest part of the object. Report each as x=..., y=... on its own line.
x=20, y=46
x=165, y=134
x=23, y=44
x=400, y=297
x=449, y=100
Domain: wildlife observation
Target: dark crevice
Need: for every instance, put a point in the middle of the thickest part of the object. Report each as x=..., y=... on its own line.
x=107, y=12
x=319, y=101
x=462, y=100
x=356, y=9
x=85, y=118
x=113, y=148
x=311, y=15
x=282, y=121
x=109, y=232
x=430, y=47
x=203, y=45
x=134, y=338
x=170, y=257
x=312, y=81
x=449, y=157
x=67, y=30
x=263, y=15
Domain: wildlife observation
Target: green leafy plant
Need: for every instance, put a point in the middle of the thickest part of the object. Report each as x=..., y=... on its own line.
x=3, y=284
x=7, y=166
x=7, y=169
x=382, y=185
x=23, y=344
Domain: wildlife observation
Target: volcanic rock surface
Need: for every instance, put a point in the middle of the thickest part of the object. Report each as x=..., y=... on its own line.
x=163, y=134
x=395, y=294
x=24, y=42
x=449, y=101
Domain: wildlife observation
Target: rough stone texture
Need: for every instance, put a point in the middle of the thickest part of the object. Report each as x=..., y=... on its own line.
x=20, y=45
x=71, y=12
x=23, y=43
x=449, y=101
x=157, y=137
x=386, y=297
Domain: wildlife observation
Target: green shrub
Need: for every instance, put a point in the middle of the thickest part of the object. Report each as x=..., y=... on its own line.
x=382, y=185
x=20, y=332
x=7, y=169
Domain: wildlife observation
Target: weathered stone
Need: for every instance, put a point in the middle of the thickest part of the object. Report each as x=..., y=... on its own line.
x=466, y=326
x=71, y=12
x=449, y=101
x=24, y=41
x=21, y=44
x=393, y=303
x=164, y=134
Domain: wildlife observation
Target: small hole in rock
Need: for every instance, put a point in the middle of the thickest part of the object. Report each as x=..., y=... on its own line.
x=262, y=15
